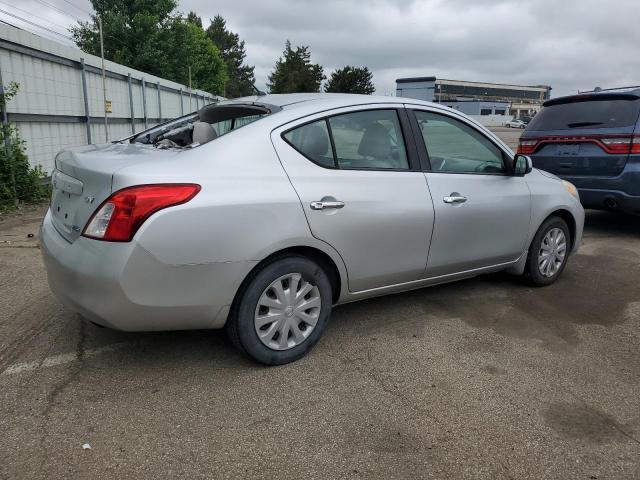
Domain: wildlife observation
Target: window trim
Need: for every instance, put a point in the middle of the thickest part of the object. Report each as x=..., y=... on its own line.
x=405, y=130
x=422, y=147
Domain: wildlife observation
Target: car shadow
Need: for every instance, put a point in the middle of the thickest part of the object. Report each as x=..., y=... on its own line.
x=606, y=223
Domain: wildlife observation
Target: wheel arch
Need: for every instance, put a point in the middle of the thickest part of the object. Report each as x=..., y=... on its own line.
x=322, y=258
x=569, y=219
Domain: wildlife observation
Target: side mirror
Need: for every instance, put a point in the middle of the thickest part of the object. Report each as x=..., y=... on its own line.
x=522, y=164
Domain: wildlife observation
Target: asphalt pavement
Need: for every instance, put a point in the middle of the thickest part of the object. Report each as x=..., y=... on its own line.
x=486, y=378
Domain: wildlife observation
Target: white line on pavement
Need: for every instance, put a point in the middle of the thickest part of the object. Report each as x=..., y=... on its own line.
x=61, y=359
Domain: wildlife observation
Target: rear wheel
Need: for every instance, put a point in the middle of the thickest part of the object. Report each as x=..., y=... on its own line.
x=282, y=311
x=549, y=252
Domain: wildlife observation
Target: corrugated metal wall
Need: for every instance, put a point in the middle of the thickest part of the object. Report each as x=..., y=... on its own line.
x=55, y=109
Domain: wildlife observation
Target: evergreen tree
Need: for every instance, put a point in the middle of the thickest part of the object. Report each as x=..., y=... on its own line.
x=240, y=77
x=294, y=72
x=351, y=80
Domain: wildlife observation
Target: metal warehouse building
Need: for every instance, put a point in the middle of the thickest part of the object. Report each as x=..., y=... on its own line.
x=479, y=97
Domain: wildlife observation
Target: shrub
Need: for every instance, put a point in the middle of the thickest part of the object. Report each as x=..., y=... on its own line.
x=19, y=182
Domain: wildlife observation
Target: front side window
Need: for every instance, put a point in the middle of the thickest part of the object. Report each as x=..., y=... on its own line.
x=454, y=147
x=370, y=139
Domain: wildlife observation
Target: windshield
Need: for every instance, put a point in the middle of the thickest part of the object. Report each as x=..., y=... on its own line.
x=592, y=113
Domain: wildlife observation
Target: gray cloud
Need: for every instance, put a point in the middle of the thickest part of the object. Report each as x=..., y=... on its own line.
x=570, y=44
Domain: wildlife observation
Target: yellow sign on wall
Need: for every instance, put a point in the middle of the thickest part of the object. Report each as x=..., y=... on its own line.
x=107, y=106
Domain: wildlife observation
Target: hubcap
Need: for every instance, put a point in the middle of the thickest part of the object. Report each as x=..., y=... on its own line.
x=553, y=251
x=287, y=312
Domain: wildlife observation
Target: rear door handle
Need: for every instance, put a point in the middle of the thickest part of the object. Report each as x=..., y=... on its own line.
x=326, y=205
x=454, y=198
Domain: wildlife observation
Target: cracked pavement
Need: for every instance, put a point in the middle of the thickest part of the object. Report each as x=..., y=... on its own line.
x=485, y=378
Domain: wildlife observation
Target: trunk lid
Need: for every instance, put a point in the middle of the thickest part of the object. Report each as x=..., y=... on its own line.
x=82, y=180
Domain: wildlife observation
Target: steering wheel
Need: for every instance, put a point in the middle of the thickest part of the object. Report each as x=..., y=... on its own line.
x=488, y=167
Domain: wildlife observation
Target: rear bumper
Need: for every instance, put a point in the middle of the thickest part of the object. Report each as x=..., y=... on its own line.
x=621, y=192
x=123, y=286
x=609, y=200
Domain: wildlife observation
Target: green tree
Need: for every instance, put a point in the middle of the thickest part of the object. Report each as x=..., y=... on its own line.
x=148, y=35
x=187, y=45
x=240, y=77
x=193, y=17
x=351, y=80
x=294, y=72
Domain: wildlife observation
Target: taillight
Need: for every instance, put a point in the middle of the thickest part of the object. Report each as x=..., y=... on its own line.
x=617, y=144
x=527, y=147
x=121, y=215
x=621, y=144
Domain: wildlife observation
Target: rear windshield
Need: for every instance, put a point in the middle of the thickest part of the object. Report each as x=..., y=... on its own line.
x=587, y=114
x=209, y=123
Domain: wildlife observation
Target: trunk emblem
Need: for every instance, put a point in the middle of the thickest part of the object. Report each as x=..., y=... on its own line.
x=89, y=199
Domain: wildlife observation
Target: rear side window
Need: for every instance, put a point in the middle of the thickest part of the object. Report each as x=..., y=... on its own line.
x=370, y=139
x=593, y=113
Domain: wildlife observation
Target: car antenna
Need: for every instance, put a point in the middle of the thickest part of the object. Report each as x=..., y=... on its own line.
x=259, y=92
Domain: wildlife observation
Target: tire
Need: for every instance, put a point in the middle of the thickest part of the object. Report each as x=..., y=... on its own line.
x=508, y=126
x=269, y=286
x=535, y=262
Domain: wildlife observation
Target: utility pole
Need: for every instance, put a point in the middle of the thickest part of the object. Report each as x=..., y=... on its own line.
x=190, y=110
x=104, y=83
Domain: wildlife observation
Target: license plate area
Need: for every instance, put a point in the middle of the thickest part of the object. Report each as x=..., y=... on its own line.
x=66, y=199
x=567, y=149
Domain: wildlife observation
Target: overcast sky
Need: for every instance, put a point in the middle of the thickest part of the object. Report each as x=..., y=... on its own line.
x=568, y=44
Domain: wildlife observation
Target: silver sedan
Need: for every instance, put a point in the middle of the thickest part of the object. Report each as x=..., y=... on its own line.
x=260, y=214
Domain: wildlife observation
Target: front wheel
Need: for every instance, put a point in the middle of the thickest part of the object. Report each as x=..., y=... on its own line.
x=549, y=252
x=282, y=311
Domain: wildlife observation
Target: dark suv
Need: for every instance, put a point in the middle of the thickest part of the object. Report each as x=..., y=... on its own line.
x=593, y=141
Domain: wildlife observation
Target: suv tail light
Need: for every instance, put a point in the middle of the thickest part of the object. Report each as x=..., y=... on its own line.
x=121, y=215
x=527, y=147
x=620, y=144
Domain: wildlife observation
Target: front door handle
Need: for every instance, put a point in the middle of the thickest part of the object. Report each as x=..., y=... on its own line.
x=326, y=205
x=454, y=198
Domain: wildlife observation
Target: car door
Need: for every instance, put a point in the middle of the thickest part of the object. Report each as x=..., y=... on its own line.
x=361, y=187
x=482, y=212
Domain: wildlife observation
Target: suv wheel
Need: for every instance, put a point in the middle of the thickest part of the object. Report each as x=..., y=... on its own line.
x=549, y=252
x=282, y=311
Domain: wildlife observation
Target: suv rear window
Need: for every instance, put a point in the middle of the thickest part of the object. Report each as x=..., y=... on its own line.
x=591, y=113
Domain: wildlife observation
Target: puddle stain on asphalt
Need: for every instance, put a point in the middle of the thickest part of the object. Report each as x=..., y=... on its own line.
x=575, y=421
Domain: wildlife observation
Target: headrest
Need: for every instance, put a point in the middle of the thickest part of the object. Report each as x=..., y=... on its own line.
x=203, y=132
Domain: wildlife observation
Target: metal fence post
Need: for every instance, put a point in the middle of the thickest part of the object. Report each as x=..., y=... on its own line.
x=181, y=104
x=133, y=118
x=85, y=96
x=159, y=103
x=144, y=104
x=7, y=141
